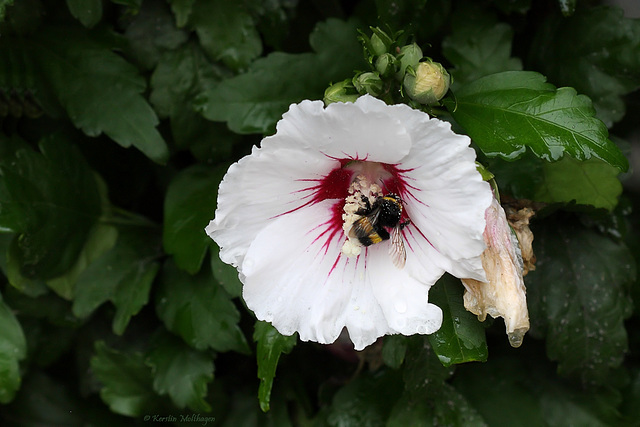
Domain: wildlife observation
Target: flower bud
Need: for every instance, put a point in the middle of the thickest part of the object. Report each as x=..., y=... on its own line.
x=340, y=92
x=378, y=45
x=368, y=83
x=427, y=83
x=409, y=56
x=386, y=65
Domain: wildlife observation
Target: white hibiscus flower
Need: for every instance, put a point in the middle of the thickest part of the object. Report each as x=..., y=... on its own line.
x=286, y=211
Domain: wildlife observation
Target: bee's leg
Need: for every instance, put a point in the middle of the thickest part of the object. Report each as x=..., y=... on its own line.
x=404, y=224
x=367, y=206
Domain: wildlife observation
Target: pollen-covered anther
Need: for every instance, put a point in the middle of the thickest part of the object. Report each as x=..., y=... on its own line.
x=359, y=190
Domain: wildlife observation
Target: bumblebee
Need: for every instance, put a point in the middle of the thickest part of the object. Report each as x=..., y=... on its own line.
x=375, y=219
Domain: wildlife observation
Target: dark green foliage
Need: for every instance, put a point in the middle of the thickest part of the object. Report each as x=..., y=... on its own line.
x=461, y=337
x=119, y=119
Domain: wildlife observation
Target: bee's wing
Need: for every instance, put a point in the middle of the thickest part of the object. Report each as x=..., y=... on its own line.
x=397, y=250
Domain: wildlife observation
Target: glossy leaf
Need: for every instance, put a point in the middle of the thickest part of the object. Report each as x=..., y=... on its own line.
x=181, y=372
x=461, y=337
x=270, y=344
x=226, y=32
x=578, y=299
x=199, y=310
x=508, y=112
x=123, y=275
x=254, y=101
x=126, y=381
x=594, y=51
x=100, y=91
x=13, y=348
x=50, y=199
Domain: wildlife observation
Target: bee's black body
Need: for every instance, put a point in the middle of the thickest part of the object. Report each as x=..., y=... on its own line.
x=386, y=211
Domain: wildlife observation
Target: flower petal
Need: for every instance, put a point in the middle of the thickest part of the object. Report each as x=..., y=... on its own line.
x=446, y=198
x=331, y=130
x=256, y=190
x=308, y=286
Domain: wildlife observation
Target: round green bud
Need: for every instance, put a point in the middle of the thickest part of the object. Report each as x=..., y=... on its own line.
x=427, y=83
x=409, y=56
x=386, y=65
x=340, y=92
x=369, y=82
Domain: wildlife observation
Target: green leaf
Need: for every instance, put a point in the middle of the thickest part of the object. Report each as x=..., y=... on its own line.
x=45, y=400
x=479, y=45
x=510, y=6
x=594, y=51
x=182, y=10
x=394, y=350
x=152, y=33
x=447, y=407
x=209, y=142
x=424, y=17
x=589, y=182
x=100, y=91
x=50, y=199
x=88, y=12
x=126, y=381
x=254, y=101
x=189, y=205
x=578, y=298
x=3, y=7
x=100, y=239
x=523, y=392
x=13, y=348
x=123, y=275
x=630, y=408
x=507, y=112
x=181, y=372
x=226, y=32
x=169, y=95
x=270, y=345
x=224, y=273
x=423, y=370
x=11, y=269
x=461, y=337
x=199, y=310
x=365, y=401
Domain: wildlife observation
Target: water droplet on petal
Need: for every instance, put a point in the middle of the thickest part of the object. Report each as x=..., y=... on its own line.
x=400, y=306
